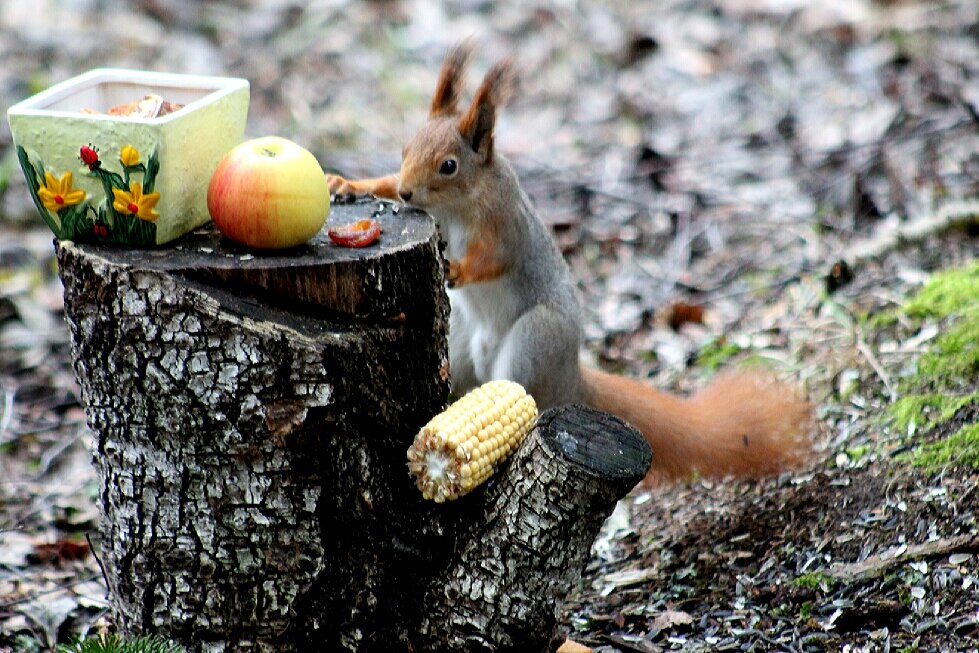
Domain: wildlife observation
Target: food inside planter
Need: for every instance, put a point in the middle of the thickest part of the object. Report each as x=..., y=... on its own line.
x=149, y=106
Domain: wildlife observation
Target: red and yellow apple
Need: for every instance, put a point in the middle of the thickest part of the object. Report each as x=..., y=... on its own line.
x=269, y=193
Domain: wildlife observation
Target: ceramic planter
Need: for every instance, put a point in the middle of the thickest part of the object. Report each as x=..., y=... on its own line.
x=127, y=179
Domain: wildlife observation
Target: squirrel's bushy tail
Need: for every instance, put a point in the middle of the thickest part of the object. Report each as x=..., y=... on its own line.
x=744, y=424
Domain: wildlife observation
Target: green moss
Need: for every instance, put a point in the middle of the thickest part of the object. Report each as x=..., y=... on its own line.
x=942, y=382
x=946, y=293
x=855, y=454
x=959, y=449
x=816, y=581
x=954, y=358
x=805, y=610
x=925, y=411
x=717, y=352
x=904, y=595
x=880, y=320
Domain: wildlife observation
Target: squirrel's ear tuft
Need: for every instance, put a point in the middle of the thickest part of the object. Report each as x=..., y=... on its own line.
x=477, y=124
x=445, y=100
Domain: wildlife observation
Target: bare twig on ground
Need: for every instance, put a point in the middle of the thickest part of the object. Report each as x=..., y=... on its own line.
x=877, y=565
x=872, y=359
x=954, y=215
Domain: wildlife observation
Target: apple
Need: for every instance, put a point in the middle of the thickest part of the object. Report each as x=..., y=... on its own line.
x=269, y=193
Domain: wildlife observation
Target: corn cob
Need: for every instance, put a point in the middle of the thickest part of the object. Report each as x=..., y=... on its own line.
x=460, y=447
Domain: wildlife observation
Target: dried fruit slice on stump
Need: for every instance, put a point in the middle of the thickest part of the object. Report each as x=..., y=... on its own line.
x=461, y=447
x=357, y=234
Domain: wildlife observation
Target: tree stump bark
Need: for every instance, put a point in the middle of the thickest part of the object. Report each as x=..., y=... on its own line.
x=517, y=561
x=252, y=413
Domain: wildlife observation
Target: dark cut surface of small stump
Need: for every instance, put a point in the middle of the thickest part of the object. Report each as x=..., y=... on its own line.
x=252, y=413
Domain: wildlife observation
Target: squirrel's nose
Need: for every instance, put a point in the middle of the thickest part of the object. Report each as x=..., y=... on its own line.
x=405, y=195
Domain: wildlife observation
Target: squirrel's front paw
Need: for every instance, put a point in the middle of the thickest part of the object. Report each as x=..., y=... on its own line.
x=451, y=268
x=341, y=188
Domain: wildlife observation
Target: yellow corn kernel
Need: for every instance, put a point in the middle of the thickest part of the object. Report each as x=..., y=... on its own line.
x=460, y=448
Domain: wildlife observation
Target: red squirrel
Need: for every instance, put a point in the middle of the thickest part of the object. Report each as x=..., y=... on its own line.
x=514, y=310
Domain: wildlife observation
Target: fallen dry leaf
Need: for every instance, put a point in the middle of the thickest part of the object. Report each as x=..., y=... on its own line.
x=58, y=553
x=570, y=646
x=670, y=619
x=682, y=313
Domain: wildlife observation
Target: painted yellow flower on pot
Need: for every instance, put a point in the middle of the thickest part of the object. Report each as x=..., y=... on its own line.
x=134, y=202
x=57, y=194
x=129, y=156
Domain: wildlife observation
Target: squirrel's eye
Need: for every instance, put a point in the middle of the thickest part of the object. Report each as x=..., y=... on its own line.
x=448, y=167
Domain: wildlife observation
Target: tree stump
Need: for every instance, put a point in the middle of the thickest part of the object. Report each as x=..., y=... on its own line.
x=533, y=533
x=252, y=414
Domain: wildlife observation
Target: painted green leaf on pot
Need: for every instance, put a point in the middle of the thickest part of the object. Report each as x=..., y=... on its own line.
x=127, y=214
x=30, y=173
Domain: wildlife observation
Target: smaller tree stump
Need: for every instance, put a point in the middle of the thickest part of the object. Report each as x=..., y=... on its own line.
x=526, y=550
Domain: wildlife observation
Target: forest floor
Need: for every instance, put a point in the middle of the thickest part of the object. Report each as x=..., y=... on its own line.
x=731, y=182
